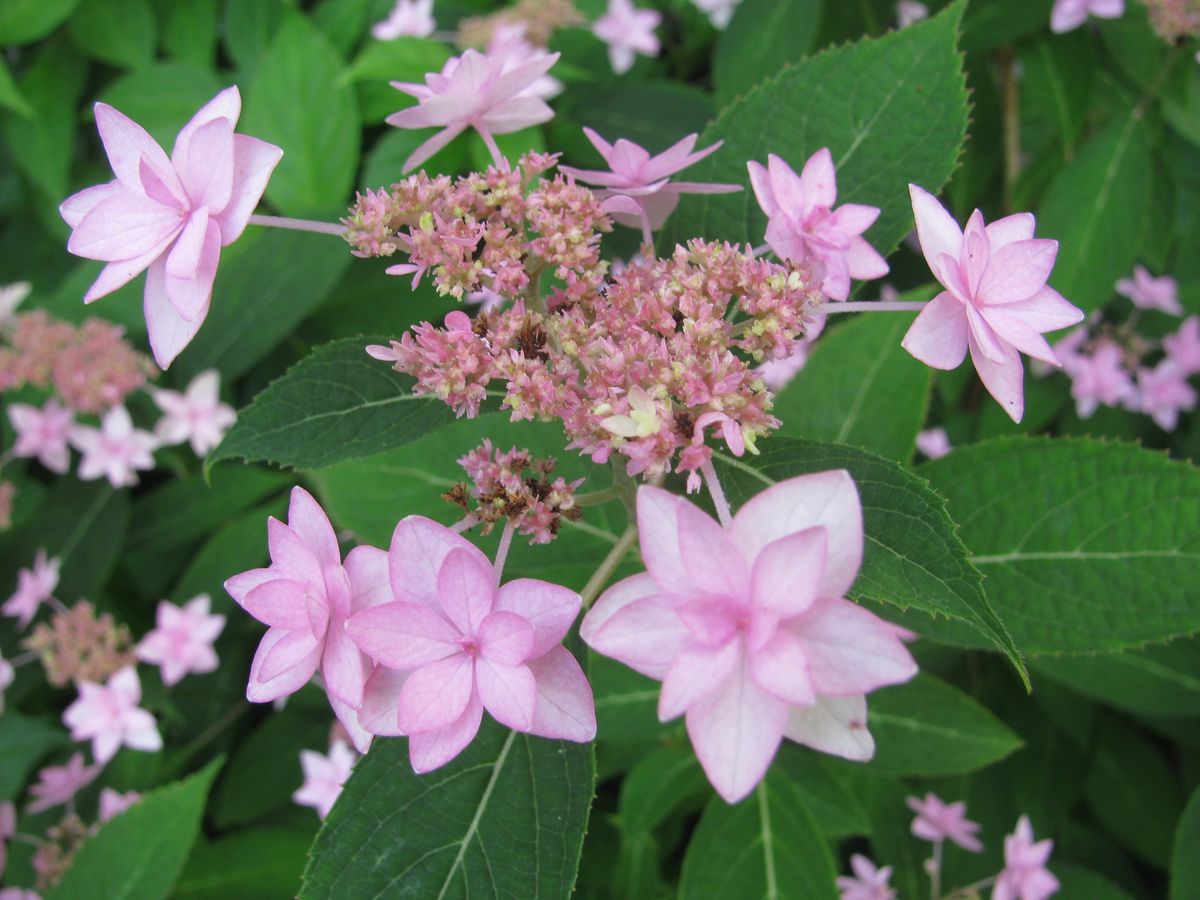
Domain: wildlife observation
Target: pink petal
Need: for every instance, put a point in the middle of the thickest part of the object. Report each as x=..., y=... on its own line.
x=613, y=600
x=253, y=163
x=1018, y=227
x=207, y=167
x=787, y=572
x=517, y=113
x=169, y=331
x=1047, y=310
x=432, y=749
x=225, y=105
x=119, y=273
x=645, y=635
x=850, y=650
x=1018, y=271
x=789, y=191
x=604, y=147
x=429, y=147
x=836, y=725
x=818, y=180
x=565, y=709
x=292, y=556
x=983, y=336
x=240, y=585
x=379, y=713
x=293, y=648
x=780, y=667
x=549, y=608
x=1013, y=329
x=419, y=547
x=696, y=673
x=191, y=296
x=302, y=648
x=370, y=584
x=343, y=667
x=509, y=693
x=938, y=233
x=78, y=205
x=308, y=520
x=402, y=635
x=184, y=258
x=760, y=183
x=938, y=337
x=505, y=638
x=684, y=549
x=863, y=261
x=854, y=218
x=1068, y=15
x=677, y=157
x=129, y=146
x=123, y=226
x=437, y=694
x=278, y=603
x=466, y=586
x=347, y=715
x=1004, y=380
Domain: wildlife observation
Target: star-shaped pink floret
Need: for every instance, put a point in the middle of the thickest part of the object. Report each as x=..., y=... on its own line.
x=43, y=433
x=116, y=450
x=748, y=627
x=34, y=587
x=1099, y=377
x=408, y=18
x=868, y=883
x=938, y=821
x=171, y=215
x=1163, y=393
x=802, y=223
x=466, y=644
x=473, y=91
x=1183, y=347
x=58, y=784
x=1025, y=876
x=109, y=715
x=628, y=31
x=996, y=302
x=197, y=415
x=1148, y=292
x=182, y=641
x=933, y=443
x=8, y=828
x=324, y=776
x=1068, y=15
x=113, y=803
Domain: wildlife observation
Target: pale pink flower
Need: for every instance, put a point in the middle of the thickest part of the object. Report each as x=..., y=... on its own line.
x=644, y=180
x=16, y=893
x=937, y=821
x=113, y=803
x=1148, y=292
x=1068, y=15
x=1183, y=347
x=56, y=785
x=1099, y=378
x=7, y=676
x=748, y=628
x=43, y=433
x=182, y=640
x=933, y=443
x=108, y=715
x=197, y=415
x=719, y=12
x=171, y=216
x=996, y=301
x=802, y=223
x=868, y=883
x=778, y=373
x=305, y=598
x=473, y=91
x=1163, y=393
x=408, y=18
x=1025, y=876
x=909, y=12
x=8, y=828
x=11, y=296
x=468, y=644
x=509, y=46
x=116, y=450
x=34, y=586
x=628, y=31
x=324, y=777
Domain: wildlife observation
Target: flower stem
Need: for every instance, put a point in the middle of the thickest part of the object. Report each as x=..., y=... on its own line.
x=934, y=867
x=876, y=306
x=298, y=224
x=493, y=148
x=971, y=890
x=464, y=523
x=647, y=232
x=718, y=494
x=595, y=498
x=502, y=551
x=608, y=565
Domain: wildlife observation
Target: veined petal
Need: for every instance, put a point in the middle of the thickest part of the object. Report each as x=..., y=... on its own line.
x=123, y=226
x=78, y=205
x=402, y=635
x=818, y=180
x=781, y=668
x=549, y=608
x=381, y=695
x=1017, y=227
x=684, y=549
x=278, y=603
x=645, y=635
x=938, y=233
x=292, y=557
x=418, y=549
x=343, y=667
x=1017, y=271
x=466, y=586
x=437, y=694
x=787, y=188
x=938, y=336
x=517, y=113
x=696, y=673
x=430, y=750
x=509, y=693
x=127, y=145
x=304, y=652
x=184, y=258
x=788, y=571
x=613, y=600
x=309, y=522
x=169, y=331
x=506, y=638
x=225, y=105
x=760, y=183
x=835, y=725
x=1004, y=380
x=253, y=163
x=850, y=650
x=207, y=170
x=370, y=584
x=119, y=273
x=565, y=709
x=191, y=296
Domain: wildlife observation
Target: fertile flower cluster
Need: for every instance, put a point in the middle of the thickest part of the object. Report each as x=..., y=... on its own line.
x=1174, y=20
x=79, y=645
x=537, y=19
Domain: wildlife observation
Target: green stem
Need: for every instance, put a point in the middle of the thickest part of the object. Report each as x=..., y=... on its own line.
x=595, y=498
x=608, y=565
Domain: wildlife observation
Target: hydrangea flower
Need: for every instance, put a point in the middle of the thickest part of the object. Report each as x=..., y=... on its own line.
x=933, y=443
x=181, y=643
x=197, y=415
x=116, y=450
x=937, y=821
x=1099, y=378
x=1183, y=347
x=748, y=628
x=1163, y=393
x=408, y=18
x=170, y=216
x=34, y=586
x=1148, y=292
x=996, y=302
x=719, y=12
x=1068, y=15
x=909, y=12
x=802, y=223
x=868, y=883
x=113, y=803
x=108, y=715
x=628, y=31
x=43, y=433
x=324, y=777
x=7, y=676
x=1025, y=876
x=56, y=785
x=467, y=644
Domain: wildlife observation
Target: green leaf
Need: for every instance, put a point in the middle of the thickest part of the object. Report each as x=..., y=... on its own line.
x=838, y=813
x=927, y=727
x=991, y=23
x=248, y=29
x=239, y=546
x=505, y=818
x=912, y=556
x=382, y=62
x=626, y=701
x=1185, y=862
x=763, y=37
x=768, y=846
x=25, y=21
x=190, y=32
x=10, y=95
x=23, y=742
x=139, y=854
x=657, y=786
x=1056, y=82
x=1112, y=171
x=337, y=403
x=163, y=97
x=663, y=113
x=263, y=863
x=297, y=102
x=122, y=33
x=1079, y=883
x=891, y=111
x=860, y=387
x=384, y=165
x=1087, y=546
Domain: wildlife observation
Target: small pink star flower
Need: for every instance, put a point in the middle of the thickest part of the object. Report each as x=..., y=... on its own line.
x=468, y=644
x=933, y=443
x=108, y=715
x=1099, y=378
x=113, y=803
x=1163, y=393
x=43, y=433
x=719, y=12
x=910, y=12
x=473, y=91
x=1148, y=292
x=197, y=415
x=8, y=828
x=868, y=883
x=17, y=893
x=56, y=785
x=115, y=450
x=182, y=641
x=628, y=31
x=1025, y=876
x=408, y=18
x=802, y=223
x=170, y=216
x=748, y=628
x=996, y=301
x=1068, y=15
x=937, y=821
x=7, y=676
x=324, y=777
x=34, y=587
x=1183, y=347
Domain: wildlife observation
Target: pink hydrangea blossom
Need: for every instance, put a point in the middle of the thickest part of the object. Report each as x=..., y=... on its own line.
x=1025, y=876
x=933, y=443
x=466, y=644
x=473, y=91
x=56, y=785
x=719, y=12
x=324, y=776
x=1099, y=377
x=116, y=450
x=170, y=216
x=408, y=18
x=1148, y=292
x=628, y=31
x=108, y=715
x=996, y=302
x=510, y=46
x=1183, y=347
x=7, y=676
x=868, y=883
x=1163, y=393
x=16, y=893
x=8, y=828
x=34, y=586
x=1068, y=15
x=937, y=821
x=748, y=628
x=802, y=223
x=909, y=12
x=113, y=803
x=181, y=643
x=197, y=415
x=43, y=433
x=12, y=296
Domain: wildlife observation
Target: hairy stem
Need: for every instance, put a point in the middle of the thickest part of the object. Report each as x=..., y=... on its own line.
x=298, y=224
x=608, y=565
x=724, y=515
x=595, y=498
x=493, y=148
x=464, y=523
x=502, y=551
x=876, y=306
